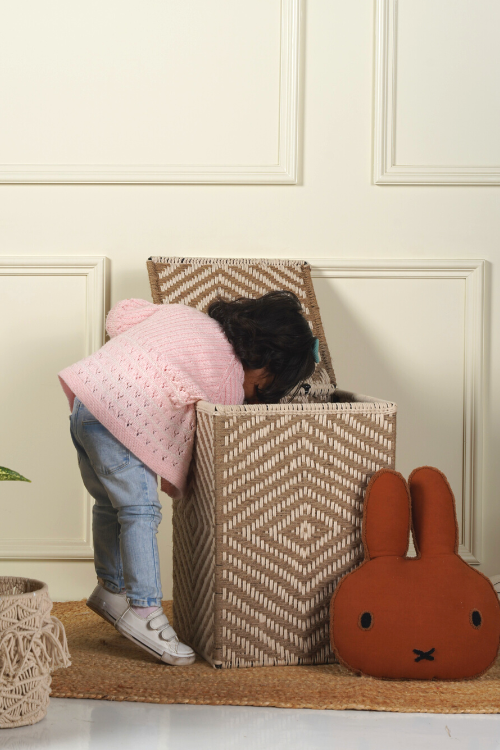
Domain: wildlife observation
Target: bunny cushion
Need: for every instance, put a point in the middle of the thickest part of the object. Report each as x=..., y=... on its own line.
x=429, y=617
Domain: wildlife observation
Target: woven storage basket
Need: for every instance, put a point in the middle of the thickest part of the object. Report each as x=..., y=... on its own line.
x=32, y=645
x=271, y=519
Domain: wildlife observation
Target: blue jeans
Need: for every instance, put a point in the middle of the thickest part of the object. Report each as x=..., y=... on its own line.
x=126, y=512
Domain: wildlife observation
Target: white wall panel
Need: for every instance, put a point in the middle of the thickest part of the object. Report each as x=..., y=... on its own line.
x=52, y=313
x=156, y=91
x=437, y=91
x=411, y=332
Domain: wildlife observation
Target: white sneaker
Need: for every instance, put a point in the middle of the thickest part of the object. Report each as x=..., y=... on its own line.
x=496, y=584
x=107, y=605
x=156, y=636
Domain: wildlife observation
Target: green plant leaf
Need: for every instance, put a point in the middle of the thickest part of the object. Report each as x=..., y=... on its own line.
x=8, y=474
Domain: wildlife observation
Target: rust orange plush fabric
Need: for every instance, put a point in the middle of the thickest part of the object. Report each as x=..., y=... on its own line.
x=429, y=617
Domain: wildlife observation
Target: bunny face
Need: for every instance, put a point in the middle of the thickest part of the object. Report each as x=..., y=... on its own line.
x=430, y=617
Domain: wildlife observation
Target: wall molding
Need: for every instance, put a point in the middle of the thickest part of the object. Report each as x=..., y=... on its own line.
x=283, y=171
x=96, y=272
x=473, y=273
x=385, y=169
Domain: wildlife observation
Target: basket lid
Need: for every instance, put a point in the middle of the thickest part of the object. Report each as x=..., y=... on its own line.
x=199, y=281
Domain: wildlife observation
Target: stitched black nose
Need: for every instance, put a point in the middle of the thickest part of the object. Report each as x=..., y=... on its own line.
x=424, y=654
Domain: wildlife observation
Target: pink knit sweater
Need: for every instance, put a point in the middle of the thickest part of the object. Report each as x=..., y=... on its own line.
x=143, y=383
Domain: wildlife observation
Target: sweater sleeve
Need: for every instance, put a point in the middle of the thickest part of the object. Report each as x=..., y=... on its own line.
x=231, y=390
x=128, y=313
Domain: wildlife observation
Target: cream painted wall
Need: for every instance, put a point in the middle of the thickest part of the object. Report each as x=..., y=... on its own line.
x=336, y=211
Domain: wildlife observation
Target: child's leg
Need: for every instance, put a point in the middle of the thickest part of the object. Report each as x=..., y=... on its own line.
x=105, y=526
x=132, y=491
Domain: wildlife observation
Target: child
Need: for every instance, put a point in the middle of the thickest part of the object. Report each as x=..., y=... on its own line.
x=133, y=417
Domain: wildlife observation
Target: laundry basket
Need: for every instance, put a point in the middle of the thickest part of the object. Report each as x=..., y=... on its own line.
x=32, y=645
x=271, y=519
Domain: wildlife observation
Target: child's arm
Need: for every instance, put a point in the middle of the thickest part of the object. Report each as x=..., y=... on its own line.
x=231, y=390
x=128, y=313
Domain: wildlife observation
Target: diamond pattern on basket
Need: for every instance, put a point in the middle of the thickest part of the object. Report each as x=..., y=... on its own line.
x=266, y=555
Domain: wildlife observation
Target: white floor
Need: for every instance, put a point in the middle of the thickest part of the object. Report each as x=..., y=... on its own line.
x=103, y=725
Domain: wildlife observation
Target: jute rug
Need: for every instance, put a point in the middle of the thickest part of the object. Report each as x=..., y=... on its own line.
x=107, y=666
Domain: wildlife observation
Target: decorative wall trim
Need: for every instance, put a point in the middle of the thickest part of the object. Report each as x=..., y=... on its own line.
x=95, y=270
x=385, y=169
x=473, y=273
x=283, y=171
x=470, y=271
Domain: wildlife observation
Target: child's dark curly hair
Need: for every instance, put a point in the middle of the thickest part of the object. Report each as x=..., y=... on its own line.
x=269, y=332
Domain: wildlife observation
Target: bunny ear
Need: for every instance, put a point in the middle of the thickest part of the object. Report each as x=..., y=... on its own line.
x=386, y=515
x=433, y=509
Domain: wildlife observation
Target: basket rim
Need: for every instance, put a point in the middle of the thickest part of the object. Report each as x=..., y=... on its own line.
x=200, y=261
x=366, y=405
x=41, y=587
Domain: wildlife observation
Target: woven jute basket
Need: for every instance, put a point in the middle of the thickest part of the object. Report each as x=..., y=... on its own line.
x=272, y=516
x=32, y=645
